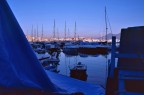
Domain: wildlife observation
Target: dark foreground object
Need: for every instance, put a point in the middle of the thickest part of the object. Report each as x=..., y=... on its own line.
x=15, y=91
x=127, y=78
x=133, y=86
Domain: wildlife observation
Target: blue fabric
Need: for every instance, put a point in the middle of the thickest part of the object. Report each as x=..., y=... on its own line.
x=19, y=66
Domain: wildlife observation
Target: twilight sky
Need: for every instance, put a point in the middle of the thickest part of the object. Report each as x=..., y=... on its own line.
x=88, y=14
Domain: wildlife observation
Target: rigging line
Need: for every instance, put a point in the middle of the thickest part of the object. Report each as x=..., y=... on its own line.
x=106, y=23
x=109, y=24
x=107, y=17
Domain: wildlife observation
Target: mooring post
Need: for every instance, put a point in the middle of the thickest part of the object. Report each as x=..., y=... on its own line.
x=112, y=65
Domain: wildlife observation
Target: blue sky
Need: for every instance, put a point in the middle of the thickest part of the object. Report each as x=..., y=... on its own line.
x=88, y=14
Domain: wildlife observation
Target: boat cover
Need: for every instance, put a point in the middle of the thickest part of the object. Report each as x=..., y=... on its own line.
x=19, y=66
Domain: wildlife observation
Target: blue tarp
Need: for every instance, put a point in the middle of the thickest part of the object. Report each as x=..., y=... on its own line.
x=19, y=67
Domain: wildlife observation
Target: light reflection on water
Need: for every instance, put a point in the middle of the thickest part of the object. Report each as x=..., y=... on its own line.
x=96, y=66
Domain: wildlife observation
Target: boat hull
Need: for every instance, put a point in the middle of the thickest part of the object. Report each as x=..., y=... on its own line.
x=70, y=51
x=97, y=50
x=78, y=74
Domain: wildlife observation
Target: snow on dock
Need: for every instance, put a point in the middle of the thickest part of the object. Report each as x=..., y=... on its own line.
x=73, y=85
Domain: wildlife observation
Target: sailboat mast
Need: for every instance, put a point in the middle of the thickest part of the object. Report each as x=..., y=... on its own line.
x=68, y=34
x=37, y=32
x=54, y=30
x=42, y=33
x=65, y=30
x=75, y=33
x=57, y=34
x=32, y=33
x=106, y=23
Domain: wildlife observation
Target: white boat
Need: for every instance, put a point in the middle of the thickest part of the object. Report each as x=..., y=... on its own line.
x=38, y=47
x=51, y=67
x=71, y=49
x=53, y=47
x=43, y=56
x=49, y=62
x=46, y=59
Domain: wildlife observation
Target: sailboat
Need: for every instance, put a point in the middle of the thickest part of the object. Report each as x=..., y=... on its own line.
x=71, y=48
x=95, y=47
x=53, y=46
x=92, y=48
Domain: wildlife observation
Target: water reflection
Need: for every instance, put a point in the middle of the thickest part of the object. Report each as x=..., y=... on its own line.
x=97, y=66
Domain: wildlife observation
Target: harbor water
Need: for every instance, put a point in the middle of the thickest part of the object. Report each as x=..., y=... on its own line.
x=97, y=66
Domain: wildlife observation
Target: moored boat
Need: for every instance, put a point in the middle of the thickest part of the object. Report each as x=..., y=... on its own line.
x=71, y=49
x=79, y=71
x=96, y=48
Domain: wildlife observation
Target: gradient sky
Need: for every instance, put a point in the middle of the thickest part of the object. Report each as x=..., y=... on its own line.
x=88, y=14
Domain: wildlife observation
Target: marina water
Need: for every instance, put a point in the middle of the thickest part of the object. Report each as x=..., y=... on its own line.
x=97, y=66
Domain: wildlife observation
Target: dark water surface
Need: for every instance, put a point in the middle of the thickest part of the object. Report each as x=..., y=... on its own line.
x=97, y=66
